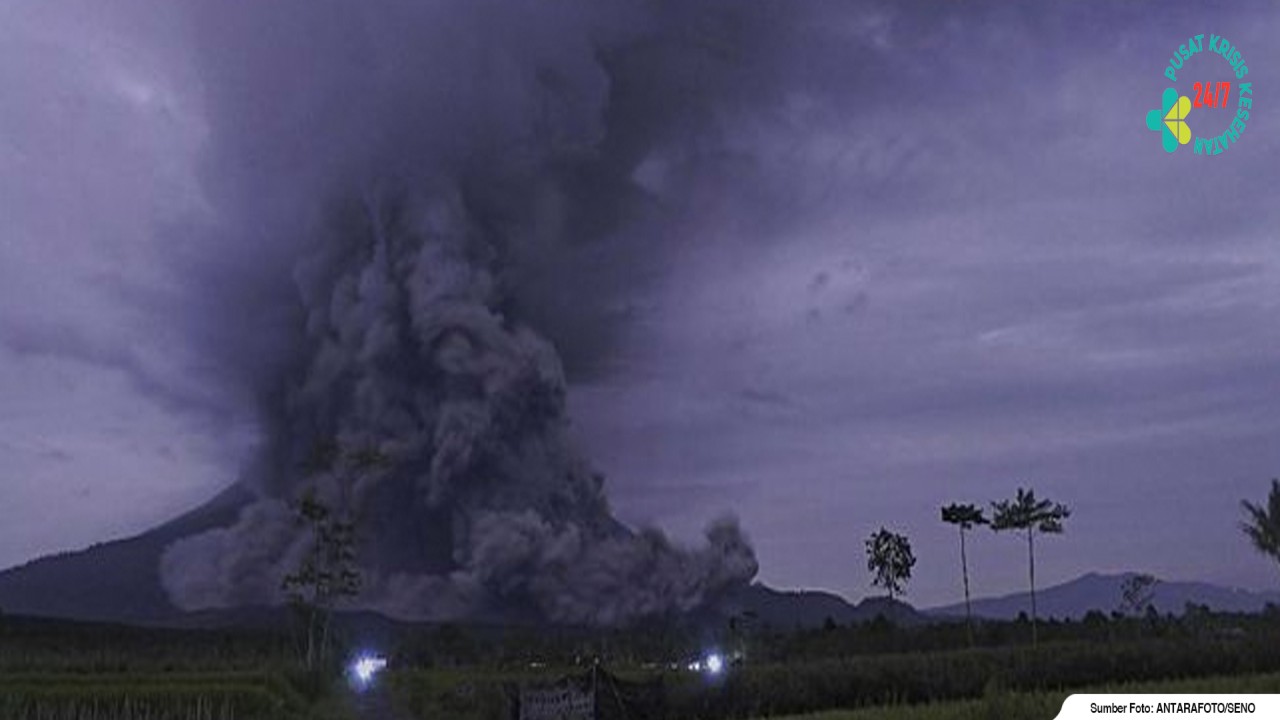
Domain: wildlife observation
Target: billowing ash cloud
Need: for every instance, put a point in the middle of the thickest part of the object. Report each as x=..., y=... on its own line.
x=434, y=178
x=483, y=504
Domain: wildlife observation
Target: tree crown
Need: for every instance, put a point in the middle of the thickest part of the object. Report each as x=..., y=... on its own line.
x=1026, y=512
x=966, y=516
x=890, y=558
x=1263, y=523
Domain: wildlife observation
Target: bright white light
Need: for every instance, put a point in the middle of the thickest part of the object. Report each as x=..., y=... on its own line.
x=364, y=668
x=714, y=664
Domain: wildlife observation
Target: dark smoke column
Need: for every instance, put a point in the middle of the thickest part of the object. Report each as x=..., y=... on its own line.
x=426, y=172
x=486, y=509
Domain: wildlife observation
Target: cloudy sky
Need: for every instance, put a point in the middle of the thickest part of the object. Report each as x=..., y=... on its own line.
x=868, y=259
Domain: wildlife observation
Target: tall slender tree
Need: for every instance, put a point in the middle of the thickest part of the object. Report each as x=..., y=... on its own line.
x=1263, y=523
x=964, y=517
x=327, y=573
x=1025, y=513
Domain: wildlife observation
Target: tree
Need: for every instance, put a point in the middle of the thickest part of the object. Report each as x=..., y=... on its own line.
x=1263, y=523
x=1136, y=594
x=743, y=630
x=1025, y=512
x=889, y=558
x=327, y=572
x=964, y=517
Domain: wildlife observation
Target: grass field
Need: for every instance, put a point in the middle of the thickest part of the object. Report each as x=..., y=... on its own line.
x=160, y=696
x=1041, y=706
x=53, y=670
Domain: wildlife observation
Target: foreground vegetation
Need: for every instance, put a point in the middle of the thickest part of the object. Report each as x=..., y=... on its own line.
x=876, y=665
x=160, y=696
x=1016, y=678
x=52, y=670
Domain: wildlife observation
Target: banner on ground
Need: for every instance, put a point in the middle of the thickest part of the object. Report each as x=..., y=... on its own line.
x=567, y=699
x=594, y=695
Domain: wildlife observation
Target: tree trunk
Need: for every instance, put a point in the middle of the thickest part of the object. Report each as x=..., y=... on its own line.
x=311, y=638
x=324, y=635
x=1031, y=557
x=964, y=570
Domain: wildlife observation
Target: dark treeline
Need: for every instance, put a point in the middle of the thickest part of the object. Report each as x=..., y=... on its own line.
x=40, y=644
x=32, y=643
x=666, y=644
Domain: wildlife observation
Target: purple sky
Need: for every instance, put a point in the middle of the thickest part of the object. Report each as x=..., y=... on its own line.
x=888, y=258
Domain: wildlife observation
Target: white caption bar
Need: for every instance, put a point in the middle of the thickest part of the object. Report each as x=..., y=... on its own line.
x=1170, y=707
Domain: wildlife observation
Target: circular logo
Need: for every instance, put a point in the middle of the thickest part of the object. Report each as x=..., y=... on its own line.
x=1217, y=92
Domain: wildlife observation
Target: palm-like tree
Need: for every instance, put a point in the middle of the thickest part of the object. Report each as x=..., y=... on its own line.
x=1263, y=525
x=1027, y=513
x=964, y=517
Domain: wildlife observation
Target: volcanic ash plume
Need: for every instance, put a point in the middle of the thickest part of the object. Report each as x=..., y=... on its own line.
x=482, y=508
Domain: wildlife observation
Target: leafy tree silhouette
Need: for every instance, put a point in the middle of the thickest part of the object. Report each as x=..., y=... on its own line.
x=1263, y=523
x=889, y=557
x=1137, y=593
x=964, y=517
x=327, y=572
x=1025, y=513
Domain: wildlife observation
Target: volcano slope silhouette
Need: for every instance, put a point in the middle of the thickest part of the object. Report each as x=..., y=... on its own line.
x=119, y=582
x=116, y=581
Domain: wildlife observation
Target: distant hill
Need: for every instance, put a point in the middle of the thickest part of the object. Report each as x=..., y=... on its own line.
x=787, y=609
x=1095, y=591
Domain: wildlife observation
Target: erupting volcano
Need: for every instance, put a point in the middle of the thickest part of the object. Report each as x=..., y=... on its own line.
x=483, y=506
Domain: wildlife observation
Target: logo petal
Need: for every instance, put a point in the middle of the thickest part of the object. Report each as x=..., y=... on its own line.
x=1180, y=109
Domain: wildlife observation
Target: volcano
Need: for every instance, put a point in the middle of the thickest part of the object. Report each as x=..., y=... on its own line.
x=398, y=277
x=119, y=582
x=116, y=581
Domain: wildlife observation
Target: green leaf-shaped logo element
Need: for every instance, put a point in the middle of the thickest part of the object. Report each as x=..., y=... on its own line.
x=1171, y=120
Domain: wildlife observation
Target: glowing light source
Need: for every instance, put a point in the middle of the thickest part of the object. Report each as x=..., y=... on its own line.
x=364, y=668
x=714, y=664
